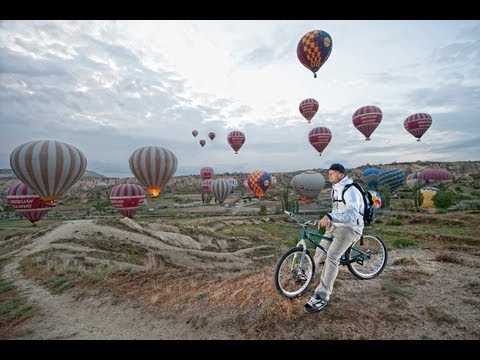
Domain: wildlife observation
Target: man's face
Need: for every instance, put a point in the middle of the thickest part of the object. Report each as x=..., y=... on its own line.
x=334, y=176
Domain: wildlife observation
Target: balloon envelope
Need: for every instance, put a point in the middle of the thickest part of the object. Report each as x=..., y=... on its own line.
x=377, y=199
x=366, y=119
x=391, y=178
x=319, y=138
x=236, y=139
x=313, y=49
x=308, y=108
x=49, y=167
x=428, y=193
x=202, y=142
x=206, y=172
x=220, y=189
x=309, y=184
x=24, y=200
x=435, y=176
x=417, y=124
x=211, y=135
x=127, y=198
x=153, y=166
x=194, y=133
x=259, y=181
x=370, y=177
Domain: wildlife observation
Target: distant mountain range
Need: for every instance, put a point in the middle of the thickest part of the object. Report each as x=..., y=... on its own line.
x=463, y=171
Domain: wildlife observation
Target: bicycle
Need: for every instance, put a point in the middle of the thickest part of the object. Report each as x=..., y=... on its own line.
x=366, y=258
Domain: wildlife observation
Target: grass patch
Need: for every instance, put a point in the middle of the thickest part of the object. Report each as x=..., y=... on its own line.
x=401, y=243
x=449, y=258
x=396, y=289
x=440, y=316
x=406, y=261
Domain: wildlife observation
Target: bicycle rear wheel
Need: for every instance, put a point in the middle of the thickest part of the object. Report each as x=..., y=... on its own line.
x=294, y=272
x=368, y=265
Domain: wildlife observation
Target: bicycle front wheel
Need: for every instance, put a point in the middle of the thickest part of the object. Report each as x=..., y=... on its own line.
x=294, y=272
x=367, y=257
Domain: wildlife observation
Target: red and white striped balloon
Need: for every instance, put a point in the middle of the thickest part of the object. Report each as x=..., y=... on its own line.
x=308, y=108
x=236, y=139
x=153, y=166
x=24, y=200
x=417, y=124
x=366, y=119
x=319, y=138
x=49, y=167
x=127, y=198
x=206, y=172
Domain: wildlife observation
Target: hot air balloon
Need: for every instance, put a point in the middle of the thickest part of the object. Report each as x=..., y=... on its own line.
x=435, y=176
x=308, y=108
x=202, y=142
x=319, y=138
x=233, y=183
x=211, y=135
x=206, y=185
x=49, y=167
x=259, y=181
x=370, y=177
x=377, y=199
x=309, y=184
x=391, y=178
x=412, y=179
x=274, y=182
x=153, y=166
x=127, y=198
x=236, y=139
x=428, y=193
x=101, y=186
x=194, y=133
x=366, y=119
x=206, y=172
x=220, y=189
x=24, y=200
x=313, y=49
x=417, y=124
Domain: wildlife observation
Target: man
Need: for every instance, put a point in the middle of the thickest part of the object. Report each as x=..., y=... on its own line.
x=345, y=224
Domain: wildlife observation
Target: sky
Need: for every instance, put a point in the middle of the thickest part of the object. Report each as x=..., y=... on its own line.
x=110, y=87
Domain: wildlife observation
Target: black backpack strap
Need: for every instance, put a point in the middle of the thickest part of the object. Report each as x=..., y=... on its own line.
x=345, y=188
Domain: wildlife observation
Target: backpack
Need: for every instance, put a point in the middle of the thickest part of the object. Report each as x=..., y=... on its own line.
x=369, y=210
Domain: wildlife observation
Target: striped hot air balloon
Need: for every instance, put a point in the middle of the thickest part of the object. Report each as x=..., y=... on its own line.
x=313, y=49
x=206, y=172
x=309, y=184
x=127, y=198
x=308, y=108
x=319, y=138
x=417, y=124
x=370, y=177
x=153, y=166
x=391, y=178
x=428, y=193
x=206, y=186
x=49, y=167
x=236, y=139
x=24, y=200
x=433, y=176
x=366, y=119
x=220, y=189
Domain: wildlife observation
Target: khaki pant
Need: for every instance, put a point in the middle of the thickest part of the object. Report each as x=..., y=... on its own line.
x=343, y=238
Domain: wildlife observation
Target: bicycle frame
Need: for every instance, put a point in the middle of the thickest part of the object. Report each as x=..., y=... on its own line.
x=312, y=236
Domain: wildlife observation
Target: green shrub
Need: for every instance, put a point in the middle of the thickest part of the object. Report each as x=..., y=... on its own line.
x=263, y=210
x=443, y=199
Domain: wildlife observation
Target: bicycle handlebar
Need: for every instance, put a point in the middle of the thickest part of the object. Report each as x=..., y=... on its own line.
x=299, y=220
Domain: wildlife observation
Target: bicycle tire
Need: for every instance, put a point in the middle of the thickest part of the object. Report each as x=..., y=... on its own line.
x=375, y=265
x=290, y=281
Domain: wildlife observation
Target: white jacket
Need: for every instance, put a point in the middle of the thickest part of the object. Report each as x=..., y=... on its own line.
x=348, y=213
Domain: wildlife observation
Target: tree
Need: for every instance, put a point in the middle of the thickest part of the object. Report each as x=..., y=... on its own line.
x=443, y=199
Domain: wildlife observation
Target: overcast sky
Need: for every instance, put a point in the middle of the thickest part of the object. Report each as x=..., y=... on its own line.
x=110, y=87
